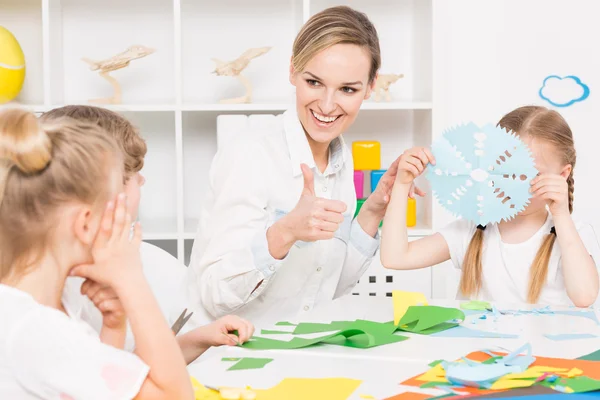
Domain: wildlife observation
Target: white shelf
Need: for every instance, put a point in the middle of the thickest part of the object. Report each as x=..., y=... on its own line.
x=252, y=107
x=174, y=98
x=159, y=229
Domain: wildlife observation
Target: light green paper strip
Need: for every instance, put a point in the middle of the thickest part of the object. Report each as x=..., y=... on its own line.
x=285, y=323
x=476, y=305
x=429, y=319
x=272, y=332
x=250, y=363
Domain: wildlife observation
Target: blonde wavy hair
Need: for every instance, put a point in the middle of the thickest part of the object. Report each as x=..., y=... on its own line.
x=336, y=25
x=44, y=166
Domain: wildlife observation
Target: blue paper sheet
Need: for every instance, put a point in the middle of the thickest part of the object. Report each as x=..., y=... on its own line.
x=461, y=331
x=570, y=336
x=480, y=375
x=481, y=174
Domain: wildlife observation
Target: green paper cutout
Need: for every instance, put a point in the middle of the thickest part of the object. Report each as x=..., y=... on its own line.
x=360, y=334
x=230, y=359
x=285, y=323
x=250, y=363
x=434, y=363
x=492, y=360
x=314, y=327
x=579, y=384
x=476, y=305
x=271, y=332
x=594, y=356
x=429, y=319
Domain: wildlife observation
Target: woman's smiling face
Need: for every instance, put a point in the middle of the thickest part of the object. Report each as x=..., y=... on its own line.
x=331, y=89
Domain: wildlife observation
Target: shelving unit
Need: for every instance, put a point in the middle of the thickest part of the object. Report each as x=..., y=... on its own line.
x=174, y=98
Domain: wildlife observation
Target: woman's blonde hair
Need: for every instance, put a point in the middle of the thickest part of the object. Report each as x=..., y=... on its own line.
x=42, y=167
x=550, y=127
x=336, y=25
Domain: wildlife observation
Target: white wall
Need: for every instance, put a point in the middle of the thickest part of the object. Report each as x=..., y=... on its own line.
x=491, y=56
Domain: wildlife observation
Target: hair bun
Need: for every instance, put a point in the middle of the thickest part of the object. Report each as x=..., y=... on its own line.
x=23, y=142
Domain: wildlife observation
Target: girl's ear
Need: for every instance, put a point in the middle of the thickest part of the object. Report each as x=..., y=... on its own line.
x=83, y=226
x=566, y=171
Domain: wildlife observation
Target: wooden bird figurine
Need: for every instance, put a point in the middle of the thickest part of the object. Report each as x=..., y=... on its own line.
x=235, y=67
x=382, y=84
x=114, y=63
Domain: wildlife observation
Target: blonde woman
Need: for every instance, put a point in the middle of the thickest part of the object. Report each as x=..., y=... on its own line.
x=277, y=235
x=541, y=256
x=59, y=217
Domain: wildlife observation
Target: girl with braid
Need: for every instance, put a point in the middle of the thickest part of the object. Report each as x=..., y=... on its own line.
x=541, y=256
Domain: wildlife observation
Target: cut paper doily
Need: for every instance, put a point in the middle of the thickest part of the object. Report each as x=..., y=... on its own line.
x=481, y=174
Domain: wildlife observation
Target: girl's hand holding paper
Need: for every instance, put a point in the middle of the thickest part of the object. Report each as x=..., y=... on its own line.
x=412, y=164
x=554, y=190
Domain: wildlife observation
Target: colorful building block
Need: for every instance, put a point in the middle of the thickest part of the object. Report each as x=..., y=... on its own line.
x=411, y=213
x=359, y=184
x=366, y=155
x=359, y=204
x=375, y=177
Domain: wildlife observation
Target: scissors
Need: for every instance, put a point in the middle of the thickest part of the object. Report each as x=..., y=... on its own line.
x=181, y=321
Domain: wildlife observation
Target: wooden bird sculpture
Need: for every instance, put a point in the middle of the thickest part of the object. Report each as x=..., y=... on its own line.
x=382, y=84
x=235, y=67
x=114, y=63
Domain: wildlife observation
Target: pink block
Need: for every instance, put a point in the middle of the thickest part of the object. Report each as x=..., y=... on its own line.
x=359, y=182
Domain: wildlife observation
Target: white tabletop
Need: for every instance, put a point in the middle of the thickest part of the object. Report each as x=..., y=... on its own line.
x=382, y=368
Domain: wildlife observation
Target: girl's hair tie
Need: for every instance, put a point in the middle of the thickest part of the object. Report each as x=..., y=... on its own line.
x=482, y=227
x=553, y=231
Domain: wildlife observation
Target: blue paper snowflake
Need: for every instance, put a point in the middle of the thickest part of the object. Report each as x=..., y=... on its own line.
x=481, y=174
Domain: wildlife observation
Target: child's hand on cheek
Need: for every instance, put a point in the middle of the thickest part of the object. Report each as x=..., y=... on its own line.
x=553, y=188
x=116, y=257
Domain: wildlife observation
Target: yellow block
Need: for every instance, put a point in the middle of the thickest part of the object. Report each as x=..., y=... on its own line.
x=411, y=213
x=403, y=300
x=366, y=155
x=12, y=66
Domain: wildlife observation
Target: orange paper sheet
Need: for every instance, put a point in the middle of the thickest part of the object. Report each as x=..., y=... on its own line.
x=589, y=368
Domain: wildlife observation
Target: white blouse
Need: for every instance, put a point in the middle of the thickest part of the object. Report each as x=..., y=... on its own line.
x=254, y=181
x=46, y=354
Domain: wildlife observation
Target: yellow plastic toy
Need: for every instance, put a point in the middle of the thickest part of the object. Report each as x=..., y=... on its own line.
x=12, y=66
x=411, y=213
x=366, y=155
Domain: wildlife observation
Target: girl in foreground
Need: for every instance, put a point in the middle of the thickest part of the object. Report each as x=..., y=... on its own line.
x=55, y=182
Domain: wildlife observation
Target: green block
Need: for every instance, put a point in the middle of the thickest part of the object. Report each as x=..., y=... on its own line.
x=359, y=204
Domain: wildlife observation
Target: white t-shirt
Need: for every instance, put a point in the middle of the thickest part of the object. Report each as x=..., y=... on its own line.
x=45, y=354
x=505, y=267
x=166, y=277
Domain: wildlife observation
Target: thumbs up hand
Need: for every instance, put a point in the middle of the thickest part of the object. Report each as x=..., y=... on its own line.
x=314, y=218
